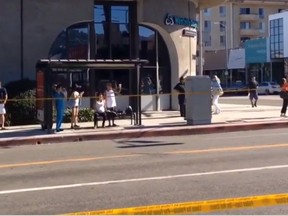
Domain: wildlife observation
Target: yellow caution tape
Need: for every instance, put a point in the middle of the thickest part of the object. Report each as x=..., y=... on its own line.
x=197, y=207
x=94, y=97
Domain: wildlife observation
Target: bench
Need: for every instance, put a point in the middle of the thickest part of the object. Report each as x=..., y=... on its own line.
x=119, y=114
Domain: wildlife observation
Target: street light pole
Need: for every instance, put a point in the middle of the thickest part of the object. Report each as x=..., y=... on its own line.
x=200, y=56
x=227, y=54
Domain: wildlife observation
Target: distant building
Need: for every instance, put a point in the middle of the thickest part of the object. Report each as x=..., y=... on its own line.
x=239, y=20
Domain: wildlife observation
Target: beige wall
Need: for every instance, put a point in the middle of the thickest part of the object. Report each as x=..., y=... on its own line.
x=10, y=40
x=181, y=49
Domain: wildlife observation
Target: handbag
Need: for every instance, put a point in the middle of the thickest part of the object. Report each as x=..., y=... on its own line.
x=218, y=92
x=284, y=94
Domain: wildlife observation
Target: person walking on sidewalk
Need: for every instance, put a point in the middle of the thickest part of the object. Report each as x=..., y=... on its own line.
x=180, y=88
x=3, y=100
x=253, y=93
x=217, y=91
x=284, y=96
x=75, y=103
x=59, y=94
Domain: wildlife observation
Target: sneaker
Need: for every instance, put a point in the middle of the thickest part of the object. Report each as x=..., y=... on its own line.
x=76, y=126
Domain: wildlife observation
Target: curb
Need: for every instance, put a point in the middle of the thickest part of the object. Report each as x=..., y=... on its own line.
x=141, y=132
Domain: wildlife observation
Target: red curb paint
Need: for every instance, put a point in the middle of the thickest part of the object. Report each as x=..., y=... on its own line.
x=142, y=132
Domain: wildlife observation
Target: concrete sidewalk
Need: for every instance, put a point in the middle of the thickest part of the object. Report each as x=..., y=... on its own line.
x=232, y=118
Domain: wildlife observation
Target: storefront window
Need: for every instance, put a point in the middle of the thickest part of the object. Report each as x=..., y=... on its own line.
x=99, y=14
x=153, y=48
x=112, y=36
x=119, y=14
x=101, y=40
x=276, y=38
x=78, y=41
x=58, y=49
x=120, y=41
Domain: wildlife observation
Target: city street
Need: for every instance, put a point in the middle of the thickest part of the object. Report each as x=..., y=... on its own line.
x=88, y=176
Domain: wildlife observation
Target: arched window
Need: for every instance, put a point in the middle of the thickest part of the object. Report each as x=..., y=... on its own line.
x=112, y=41
x=72, y=43
x=58, y=49
x=153, y=48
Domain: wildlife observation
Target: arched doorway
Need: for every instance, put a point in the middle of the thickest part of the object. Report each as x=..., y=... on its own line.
x=114, y=34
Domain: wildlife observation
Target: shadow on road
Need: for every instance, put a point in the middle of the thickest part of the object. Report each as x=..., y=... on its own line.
x=145, y=143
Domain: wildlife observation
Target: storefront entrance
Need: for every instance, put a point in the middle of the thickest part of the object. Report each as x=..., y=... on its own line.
x=115, y=34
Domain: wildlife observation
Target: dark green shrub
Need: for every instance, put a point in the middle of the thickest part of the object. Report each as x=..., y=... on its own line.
x=85, y=115
x=15, y=88
x=22, y=110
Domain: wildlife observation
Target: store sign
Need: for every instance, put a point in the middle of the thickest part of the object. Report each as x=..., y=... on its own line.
x=190, y=33
x=256, y=51
x=175, y=20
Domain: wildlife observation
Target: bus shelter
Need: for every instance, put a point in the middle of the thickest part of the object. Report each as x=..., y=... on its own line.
x=47, y=70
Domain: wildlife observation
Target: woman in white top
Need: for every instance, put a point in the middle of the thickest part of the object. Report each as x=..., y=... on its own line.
x=100, y=110
x=110, y=99
x=75, y=100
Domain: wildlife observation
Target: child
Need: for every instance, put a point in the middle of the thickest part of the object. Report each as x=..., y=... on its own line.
x=110, y=103
x=100, y=110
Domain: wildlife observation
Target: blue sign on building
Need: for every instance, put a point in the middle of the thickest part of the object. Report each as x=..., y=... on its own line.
x=256, y=51
x=175, y=20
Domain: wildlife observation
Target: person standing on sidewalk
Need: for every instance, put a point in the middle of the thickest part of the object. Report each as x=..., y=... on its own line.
x=75, y=103
x=253, y=93
x=284, y=96
x=60, y=95
x=217, y=91
x=3, y=100
x=180, y=88
x=110, y=99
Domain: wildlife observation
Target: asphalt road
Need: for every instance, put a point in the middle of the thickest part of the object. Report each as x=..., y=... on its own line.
x=73, y=177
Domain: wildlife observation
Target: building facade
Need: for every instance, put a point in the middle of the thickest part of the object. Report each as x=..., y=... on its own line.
x=278, y=33
x=233, y=23
x=162, y=31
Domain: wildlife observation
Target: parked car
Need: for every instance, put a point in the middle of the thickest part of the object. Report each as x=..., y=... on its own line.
x=236, y=88
x=269, y=88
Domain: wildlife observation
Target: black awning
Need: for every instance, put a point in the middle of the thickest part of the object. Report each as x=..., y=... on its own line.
x=92, y=64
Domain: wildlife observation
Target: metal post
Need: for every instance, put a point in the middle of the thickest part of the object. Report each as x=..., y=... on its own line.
x=137, y=94
x=201, y=43
x=227, y=50
x=22, y=40
x=271, y=71
x=157, y=74
x=139, y=113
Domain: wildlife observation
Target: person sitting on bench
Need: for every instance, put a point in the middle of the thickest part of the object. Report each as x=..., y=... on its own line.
x=100, y=110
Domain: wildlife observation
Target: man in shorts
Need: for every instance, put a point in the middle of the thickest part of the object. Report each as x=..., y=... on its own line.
x=3, y=100
x=253, y=92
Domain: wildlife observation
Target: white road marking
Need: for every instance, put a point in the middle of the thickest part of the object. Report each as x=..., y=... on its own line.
x=57, y=187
